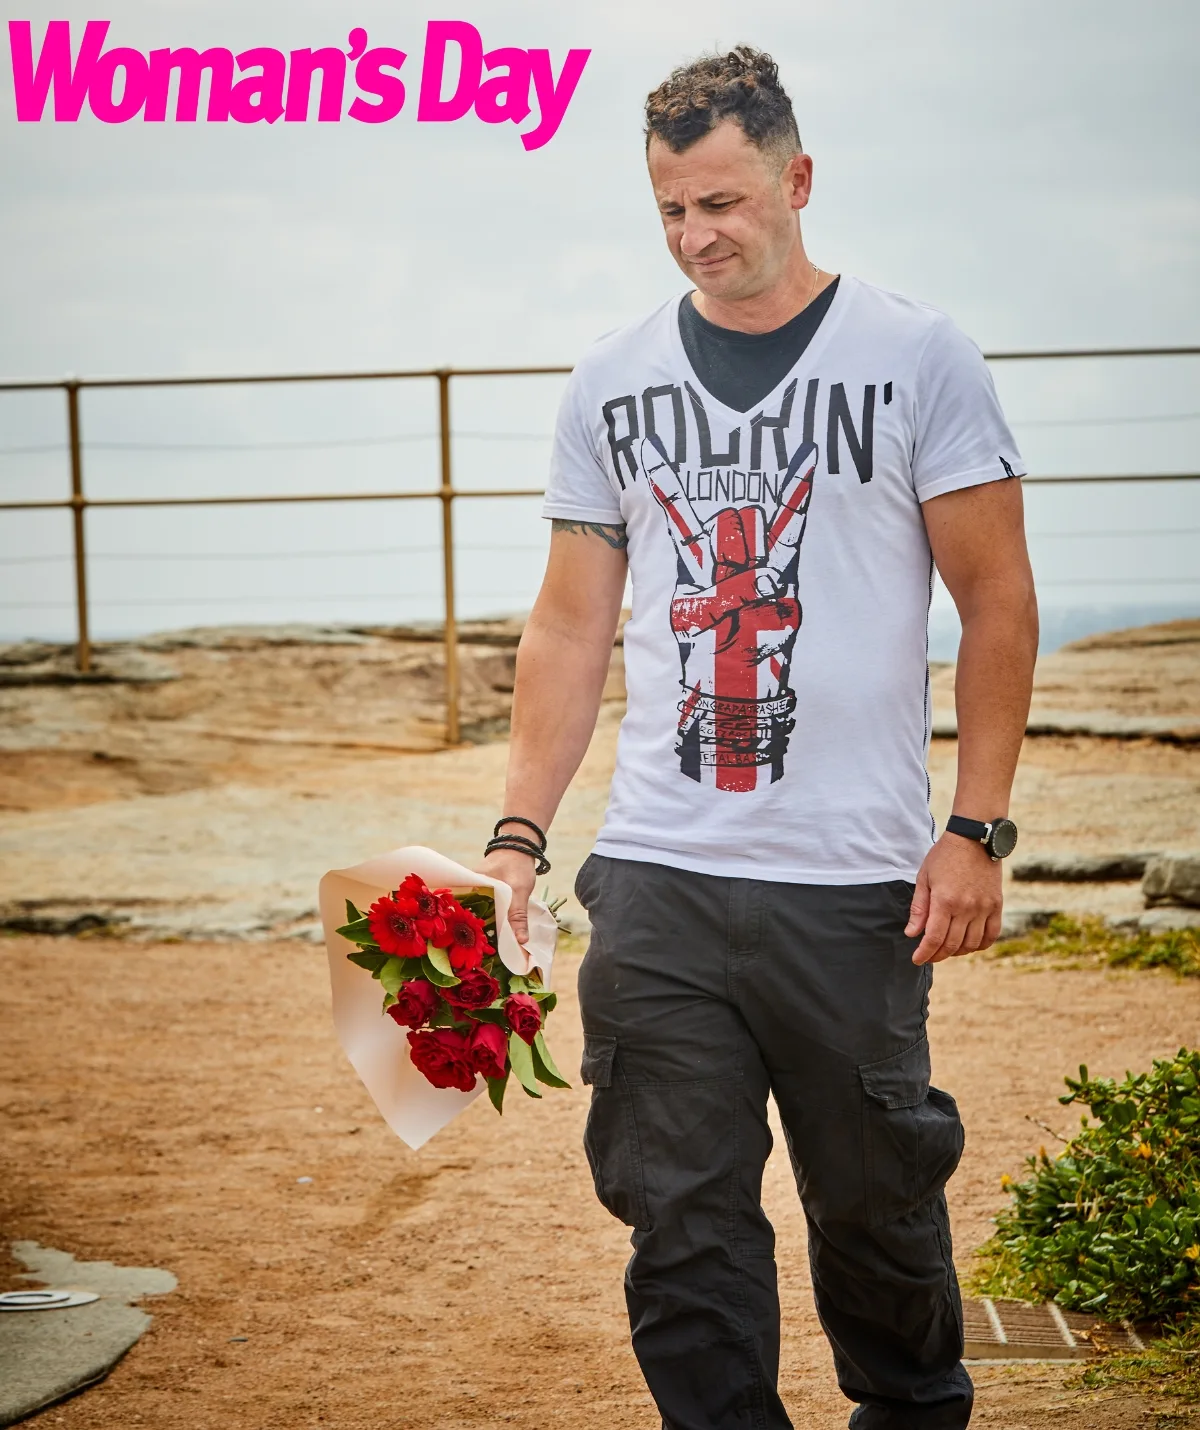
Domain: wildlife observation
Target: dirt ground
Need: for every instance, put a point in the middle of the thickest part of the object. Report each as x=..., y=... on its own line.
x=161, y=1102
x=162, y=1099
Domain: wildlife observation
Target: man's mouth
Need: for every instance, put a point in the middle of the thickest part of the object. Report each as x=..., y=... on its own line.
x=709, y=262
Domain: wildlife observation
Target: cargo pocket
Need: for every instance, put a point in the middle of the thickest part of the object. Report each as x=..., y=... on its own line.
x=610, y=1138
x=894, y=1089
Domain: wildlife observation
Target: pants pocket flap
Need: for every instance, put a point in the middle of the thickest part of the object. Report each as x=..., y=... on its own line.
x=901, y=1080
x=598, y=1055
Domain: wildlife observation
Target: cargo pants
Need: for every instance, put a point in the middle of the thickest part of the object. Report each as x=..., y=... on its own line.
x=700, y=997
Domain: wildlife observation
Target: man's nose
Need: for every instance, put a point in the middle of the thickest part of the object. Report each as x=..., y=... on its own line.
x=697, y=235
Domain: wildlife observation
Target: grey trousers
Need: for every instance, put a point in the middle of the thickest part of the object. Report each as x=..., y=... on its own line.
x=700, y=996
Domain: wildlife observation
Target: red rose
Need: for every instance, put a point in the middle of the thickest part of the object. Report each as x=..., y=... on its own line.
x=489, y=1050
x=524, y=1015
x=394, y=928
x=423, y=904
x=443, y=1055
x=476, y=989
x=414, y=1003
x=463, y=939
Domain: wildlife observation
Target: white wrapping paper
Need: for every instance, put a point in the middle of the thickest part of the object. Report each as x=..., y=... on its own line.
x=376, y=1045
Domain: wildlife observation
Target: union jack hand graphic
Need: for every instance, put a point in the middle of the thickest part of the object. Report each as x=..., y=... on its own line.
x=735, y=616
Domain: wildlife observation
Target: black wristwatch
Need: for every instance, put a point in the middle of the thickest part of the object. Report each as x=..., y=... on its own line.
x=998, y=836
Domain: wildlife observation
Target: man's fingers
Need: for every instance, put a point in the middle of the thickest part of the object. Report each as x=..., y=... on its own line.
x=991, y=930
x=937, y=925
x=975, y=937
x=954, y=940
x=918, y=910
x=967, y=935
x=516, y=870
x=518, y=919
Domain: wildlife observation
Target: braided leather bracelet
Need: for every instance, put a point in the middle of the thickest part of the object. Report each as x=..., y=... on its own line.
x=520, y=819
x=521, y=845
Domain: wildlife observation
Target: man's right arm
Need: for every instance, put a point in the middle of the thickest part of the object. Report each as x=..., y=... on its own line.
x=562, y=664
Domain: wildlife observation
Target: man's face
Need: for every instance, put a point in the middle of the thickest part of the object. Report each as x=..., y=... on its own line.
x=729, y=210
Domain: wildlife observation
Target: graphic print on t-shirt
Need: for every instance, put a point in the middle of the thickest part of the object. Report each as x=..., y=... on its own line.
x=735, y=615
x=710, y=775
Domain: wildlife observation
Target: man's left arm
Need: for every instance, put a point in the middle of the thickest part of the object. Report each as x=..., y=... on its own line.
x=977, y=536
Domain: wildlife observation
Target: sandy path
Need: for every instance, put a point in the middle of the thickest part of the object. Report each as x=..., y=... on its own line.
x=161, y=1102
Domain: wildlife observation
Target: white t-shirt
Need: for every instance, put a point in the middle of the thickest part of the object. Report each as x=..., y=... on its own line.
x=776, y=658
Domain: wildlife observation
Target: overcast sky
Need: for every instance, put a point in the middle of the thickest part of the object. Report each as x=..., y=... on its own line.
x=1029, y=167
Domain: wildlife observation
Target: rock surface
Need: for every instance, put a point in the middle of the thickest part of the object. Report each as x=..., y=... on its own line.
x=1079, y=868
x=1172, y=879
x=46, y=1356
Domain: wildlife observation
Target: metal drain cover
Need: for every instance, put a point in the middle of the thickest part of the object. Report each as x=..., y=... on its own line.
x=45, y=1300
x=1014, y=1330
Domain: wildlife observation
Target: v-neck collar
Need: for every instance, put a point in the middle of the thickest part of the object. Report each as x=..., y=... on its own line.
x=846, y=289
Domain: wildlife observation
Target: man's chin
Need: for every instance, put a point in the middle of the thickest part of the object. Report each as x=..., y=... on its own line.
x=716, y=285
x=726, y=280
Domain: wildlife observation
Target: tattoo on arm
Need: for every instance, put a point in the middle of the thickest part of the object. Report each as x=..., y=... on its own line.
x=614, y=535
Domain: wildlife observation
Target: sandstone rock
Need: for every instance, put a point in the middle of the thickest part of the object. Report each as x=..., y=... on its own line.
x=1165, y=918
x=1018, y=922
x=1080, y=868
x=1172, y=879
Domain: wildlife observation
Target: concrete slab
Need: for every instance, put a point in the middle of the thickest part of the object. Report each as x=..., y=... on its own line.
x=46, y=1356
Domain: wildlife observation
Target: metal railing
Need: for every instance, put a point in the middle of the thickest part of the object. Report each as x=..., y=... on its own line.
x=446, y=493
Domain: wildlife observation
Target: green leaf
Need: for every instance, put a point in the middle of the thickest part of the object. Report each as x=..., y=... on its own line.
x=549, y=1001
x=358, y=931
x=435, y=975
x=488, y=1015
x=480, y=902
x=352, y=914
x=369, y=958
x=496, y=1086
x=441, y=961
x=520, y=1056
x=517, y=984
x=391, y=975
x=543, y=1064
x=388, y=1000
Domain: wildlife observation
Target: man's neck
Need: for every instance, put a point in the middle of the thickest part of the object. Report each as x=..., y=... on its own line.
x=795, y=289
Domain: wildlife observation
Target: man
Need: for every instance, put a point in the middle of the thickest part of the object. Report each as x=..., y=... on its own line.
x=778, y=458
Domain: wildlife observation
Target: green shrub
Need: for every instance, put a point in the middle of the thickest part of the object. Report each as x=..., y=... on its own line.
x=1090, y=940
x=1111, y=1225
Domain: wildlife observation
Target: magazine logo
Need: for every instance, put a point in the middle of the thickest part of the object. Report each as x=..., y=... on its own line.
x=457, y=77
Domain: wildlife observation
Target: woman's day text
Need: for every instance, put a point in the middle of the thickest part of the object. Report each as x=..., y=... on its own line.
x=505, y=85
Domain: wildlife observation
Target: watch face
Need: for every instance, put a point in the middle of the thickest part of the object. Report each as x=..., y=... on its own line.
x=1004, y=838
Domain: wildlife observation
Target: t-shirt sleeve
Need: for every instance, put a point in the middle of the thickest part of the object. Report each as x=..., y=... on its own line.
x=962, y=438
x=578, y=487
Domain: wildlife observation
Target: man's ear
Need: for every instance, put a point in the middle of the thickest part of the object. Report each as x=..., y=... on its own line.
x=797, y=180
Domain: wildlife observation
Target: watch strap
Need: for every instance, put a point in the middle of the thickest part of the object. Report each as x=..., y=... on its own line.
x=968, y=828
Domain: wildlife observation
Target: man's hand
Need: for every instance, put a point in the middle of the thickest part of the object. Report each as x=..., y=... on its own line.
x=957, y=901
x=516, y=870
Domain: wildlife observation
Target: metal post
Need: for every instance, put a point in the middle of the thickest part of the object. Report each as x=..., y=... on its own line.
x=447, y=498
x=83, y=647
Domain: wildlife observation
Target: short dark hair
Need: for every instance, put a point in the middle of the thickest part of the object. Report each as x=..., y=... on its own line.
x=742, y=84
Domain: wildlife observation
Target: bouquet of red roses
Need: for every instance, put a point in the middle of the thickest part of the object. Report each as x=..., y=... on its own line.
x=435, y=957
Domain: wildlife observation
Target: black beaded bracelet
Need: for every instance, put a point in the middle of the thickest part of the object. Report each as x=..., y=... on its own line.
x=520, y=845
x=528, y=823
